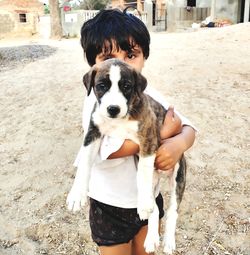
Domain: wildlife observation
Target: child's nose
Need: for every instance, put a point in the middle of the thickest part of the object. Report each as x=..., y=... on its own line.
x=122, y=58
x=120, y=55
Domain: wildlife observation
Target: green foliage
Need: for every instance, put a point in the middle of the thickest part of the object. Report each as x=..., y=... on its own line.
x=94, y=4
x=46, y=9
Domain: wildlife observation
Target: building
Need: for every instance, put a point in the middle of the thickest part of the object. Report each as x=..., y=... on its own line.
x=173, y=15
x=19, y=17
x=156, y=11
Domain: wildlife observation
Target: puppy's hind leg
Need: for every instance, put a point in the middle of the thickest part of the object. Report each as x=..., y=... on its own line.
x=177, y=185
x=152, y=238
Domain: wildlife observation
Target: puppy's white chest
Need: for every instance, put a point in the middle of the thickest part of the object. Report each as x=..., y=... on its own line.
x=120, y=128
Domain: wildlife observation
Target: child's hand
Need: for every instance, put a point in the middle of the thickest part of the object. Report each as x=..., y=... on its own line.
x=168, y=154
x=172, y=124
x=172, y=148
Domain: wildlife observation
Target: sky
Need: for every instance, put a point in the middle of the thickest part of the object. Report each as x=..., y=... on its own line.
x=44, y=1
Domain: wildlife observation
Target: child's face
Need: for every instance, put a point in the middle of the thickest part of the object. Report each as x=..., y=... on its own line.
x=134, y=58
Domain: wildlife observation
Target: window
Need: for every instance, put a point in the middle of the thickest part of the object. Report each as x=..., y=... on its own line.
x=191, y=3
x=22, y=17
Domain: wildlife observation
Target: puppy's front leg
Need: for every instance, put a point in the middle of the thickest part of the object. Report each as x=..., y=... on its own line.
x=152, y=238
x=145, y=173
x=78, y=194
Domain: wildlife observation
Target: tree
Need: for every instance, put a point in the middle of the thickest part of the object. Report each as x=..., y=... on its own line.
x=55, y=20
x=94, y=4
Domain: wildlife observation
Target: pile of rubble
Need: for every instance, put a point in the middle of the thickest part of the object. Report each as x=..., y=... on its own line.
x=11, y=57
x=208, y=22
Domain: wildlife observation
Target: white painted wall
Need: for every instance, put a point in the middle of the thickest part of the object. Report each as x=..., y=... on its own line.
x=203, y=3
x=44, y=27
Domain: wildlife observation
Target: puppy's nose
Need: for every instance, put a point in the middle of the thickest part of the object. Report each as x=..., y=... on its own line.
x=113, y=110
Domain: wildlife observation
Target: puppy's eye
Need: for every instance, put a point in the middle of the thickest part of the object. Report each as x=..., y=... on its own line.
x=126, y=88
x=126, y=85
x=101, y=86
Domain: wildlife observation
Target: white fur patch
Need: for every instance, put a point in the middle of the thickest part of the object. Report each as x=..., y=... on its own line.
x=114, y=96
x=121, y=128
x=115, y=74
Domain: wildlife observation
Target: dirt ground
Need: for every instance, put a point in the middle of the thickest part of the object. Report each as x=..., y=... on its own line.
x=205, y=74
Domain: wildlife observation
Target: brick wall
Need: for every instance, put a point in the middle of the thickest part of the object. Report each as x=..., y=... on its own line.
x=9, y=16
x=6, y=23
x=30, y=5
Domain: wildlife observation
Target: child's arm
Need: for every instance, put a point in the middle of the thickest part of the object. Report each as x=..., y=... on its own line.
x=172, y=126
x=128, y=148
x=169, y=152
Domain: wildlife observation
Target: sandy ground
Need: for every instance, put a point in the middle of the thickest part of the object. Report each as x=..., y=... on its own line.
x=205, y=74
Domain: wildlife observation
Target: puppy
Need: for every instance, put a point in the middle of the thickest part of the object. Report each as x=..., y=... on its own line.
x=123, y=110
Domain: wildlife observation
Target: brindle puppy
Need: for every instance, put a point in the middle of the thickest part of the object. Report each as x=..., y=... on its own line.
x=123, y=110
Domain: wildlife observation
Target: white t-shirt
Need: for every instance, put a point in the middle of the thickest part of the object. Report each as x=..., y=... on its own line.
x=113, y=181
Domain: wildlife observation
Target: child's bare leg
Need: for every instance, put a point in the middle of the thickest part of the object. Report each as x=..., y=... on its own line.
x=121, y=249
x=138, y=242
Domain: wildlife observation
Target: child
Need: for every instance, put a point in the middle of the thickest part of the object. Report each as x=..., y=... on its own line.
x=114, y=222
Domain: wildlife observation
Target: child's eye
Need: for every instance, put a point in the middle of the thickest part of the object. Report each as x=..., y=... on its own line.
x=103, y=57
x=107, y=57
x=131, y=55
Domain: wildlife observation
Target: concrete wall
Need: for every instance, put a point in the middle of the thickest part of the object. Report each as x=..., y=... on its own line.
x=7, y=24
x=72, y=21
x=183, y=3
x=203, y=3
x=178, y=18
x=227, y=9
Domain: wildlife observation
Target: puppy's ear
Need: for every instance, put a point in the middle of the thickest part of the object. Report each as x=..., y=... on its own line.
x=141, y=82
x=89, y=80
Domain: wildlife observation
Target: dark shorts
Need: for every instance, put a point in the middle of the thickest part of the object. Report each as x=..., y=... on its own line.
x=112, y=225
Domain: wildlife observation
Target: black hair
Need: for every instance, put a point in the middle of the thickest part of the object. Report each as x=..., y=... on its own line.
x=113, y=26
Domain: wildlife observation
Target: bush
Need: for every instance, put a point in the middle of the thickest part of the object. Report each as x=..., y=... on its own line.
x=46, y=9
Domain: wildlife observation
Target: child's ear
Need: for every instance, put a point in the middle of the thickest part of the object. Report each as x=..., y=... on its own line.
x=89, y=79
x=140, y=82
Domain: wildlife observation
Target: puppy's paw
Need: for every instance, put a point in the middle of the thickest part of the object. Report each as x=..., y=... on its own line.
x=151, y=242
x=76, y=199
x=169, y=245
x=145, y=207
x=143, y=215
